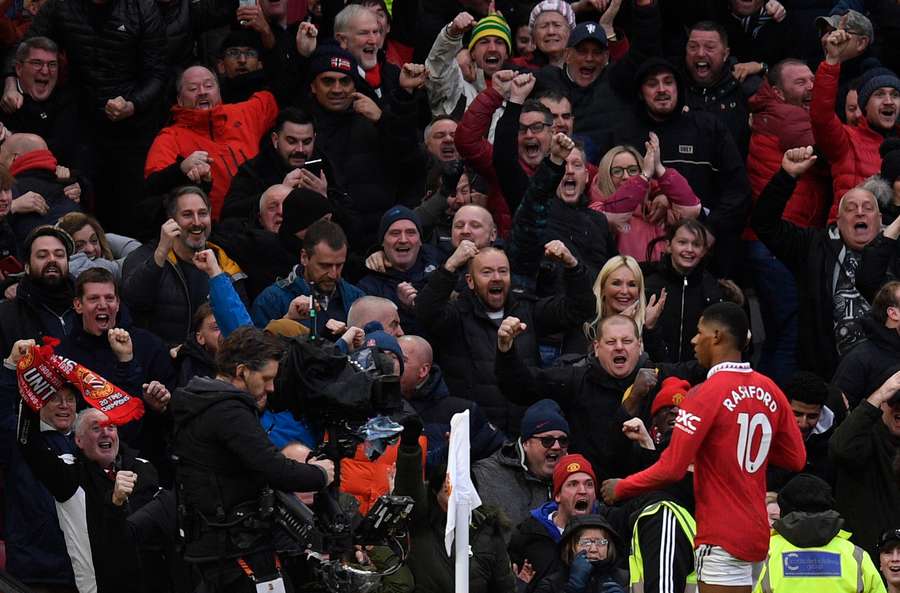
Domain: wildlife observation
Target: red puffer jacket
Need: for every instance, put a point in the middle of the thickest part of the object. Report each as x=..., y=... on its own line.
x=230, y=133
x=852, y=151
x=776, y=127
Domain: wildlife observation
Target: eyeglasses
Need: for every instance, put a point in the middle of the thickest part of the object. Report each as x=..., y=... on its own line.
x=547, y=442
x=536, y=128
x=235, y=53
x=619, y=171
x=587, y=542
x=38, y=65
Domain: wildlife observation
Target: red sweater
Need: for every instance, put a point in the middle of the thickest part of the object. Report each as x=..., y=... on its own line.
x=851, y=150
x=777, y=126
x=230, y=132
x=730, y=427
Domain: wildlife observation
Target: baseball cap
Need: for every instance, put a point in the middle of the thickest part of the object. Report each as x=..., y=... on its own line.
x=585, y=31
x=857, y=23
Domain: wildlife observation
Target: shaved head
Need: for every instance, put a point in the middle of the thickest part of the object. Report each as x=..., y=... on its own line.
x=418, y=358
x=20, y=144
x=372, y=308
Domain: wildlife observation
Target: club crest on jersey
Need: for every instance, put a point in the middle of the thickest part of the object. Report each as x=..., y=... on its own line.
x=687, y=422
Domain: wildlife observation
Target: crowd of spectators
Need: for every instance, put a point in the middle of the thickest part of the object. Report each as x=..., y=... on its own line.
x=581, y=222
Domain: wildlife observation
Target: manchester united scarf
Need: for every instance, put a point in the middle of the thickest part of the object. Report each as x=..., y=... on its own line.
x=40, y=373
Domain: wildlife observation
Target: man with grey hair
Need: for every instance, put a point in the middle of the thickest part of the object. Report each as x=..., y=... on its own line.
x=357, y=30
x=48, y=110
x=824, y=262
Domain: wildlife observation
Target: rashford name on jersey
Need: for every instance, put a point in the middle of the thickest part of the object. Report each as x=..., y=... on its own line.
x=743, y=392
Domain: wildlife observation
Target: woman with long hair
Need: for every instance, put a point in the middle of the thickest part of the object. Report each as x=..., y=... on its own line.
x=640, y=197
x=95, y=248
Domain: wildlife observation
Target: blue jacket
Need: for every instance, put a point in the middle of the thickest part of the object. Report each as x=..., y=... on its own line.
x=35, y=547
x=385, y=284
x=273, y=302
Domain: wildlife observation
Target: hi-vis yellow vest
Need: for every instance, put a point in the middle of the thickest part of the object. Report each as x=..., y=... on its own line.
x=635, y=560
x=836, y=567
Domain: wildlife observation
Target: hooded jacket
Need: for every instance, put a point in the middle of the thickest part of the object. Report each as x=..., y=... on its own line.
x=225, y=460
x=866, y=366
x=435, y=406
x=700, y=147
x=852, y=151
x=776, y=127
x=604, y=578
x=230, y=133
x=193, y=361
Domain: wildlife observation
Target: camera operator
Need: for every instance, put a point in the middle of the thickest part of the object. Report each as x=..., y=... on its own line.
x=225, y=462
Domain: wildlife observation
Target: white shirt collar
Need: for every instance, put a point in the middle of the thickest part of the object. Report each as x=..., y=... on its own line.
x=734, y=367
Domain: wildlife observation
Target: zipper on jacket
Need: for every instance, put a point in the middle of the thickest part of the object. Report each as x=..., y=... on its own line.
x=681, y=320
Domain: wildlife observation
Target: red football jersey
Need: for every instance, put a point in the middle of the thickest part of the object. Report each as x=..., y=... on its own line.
x=730, y=427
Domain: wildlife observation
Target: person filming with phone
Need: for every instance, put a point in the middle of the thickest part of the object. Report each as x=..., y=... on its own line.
x=289, y=158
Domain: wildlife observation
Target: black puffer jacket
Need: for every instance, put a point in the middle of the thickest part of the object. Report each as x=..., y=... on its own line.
x=225, y=460
x=812, y=255
x=868, y=365
x=466, y=338
x=28, y=317
x=379, y=164
x=163, y=299
x=686, y=297
x=114, y=49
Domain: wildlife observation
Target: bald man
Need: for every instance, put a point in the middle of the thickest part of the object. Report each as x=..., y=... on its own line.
x=185, y=153
x=373, y=308
x=39, y=197
x=422, y=385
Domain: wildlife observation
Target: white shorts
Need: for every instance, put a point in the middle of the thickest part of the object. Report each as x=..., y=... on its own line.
x=715, y=566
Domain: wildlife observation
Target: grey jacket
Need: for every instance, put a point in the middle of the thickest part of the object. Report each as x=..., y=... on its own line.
x=504, y=481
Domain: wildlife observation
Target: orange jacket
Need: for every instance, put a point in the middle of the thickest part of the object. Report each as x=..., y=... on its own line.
x=368, y=480
x=230, y=133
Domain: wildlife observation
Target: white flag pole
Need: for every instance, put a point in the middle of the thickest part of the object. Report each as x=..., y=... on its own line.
x=463, y=499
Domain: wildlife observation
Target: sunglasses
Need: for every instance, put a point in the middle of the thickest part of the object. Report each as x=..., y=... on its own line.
x=547, y=442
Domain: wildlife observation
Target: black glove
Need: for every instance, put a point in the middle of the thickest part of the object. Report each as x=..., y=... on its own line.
x=412, y=430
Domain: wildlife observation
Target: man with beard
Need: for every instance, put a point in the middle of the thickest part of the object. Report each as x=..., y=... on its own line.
x=536, y=538
x=781, y=121
x=852, y=151
x=240, y=66
x=374, y=149
x=711, y=85
x=489, y=47
x=208, y=140
x=517, y=477
x=464, y=330
x=824, y=262
x=314, y=293
x=43, y=302
x=422, y=385
x=281, y=161
x=699, y=147
x=160, y=282
x=218, y=433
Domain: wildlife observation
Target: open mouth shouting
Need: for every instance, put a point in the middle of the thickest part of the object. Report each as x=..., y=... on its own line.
x=568, y=188
x=702, y=69
x=582, y=504
x=448, y=151
x=103, y=320
x=51, y=270
x=369, y=55
x=531, y=149
x=204, y=103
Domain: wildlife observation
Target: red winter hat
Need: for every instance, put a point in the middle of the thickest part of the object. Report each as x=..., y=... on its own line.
x=568, y=465
x=672, y=392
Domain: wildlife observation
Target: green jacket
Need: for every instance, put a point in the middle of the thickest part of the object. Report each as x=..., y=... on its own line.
x=433, y=570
